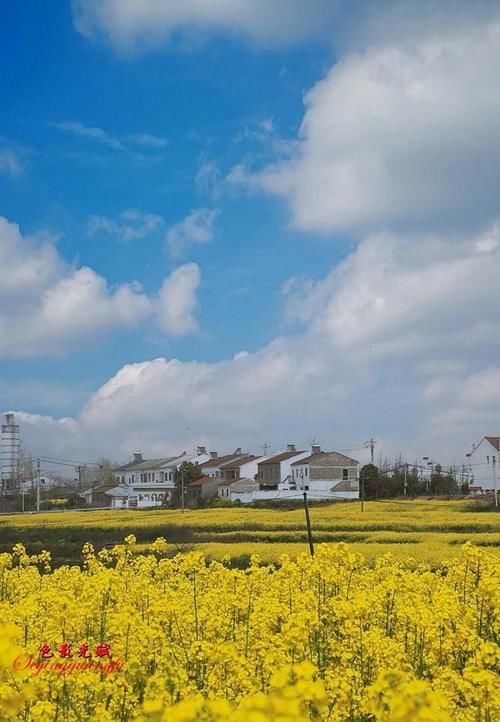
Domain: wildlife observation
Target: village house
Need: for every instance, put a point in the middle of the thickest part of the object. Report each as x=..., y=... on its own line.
x=245, y=466
x=150, y=482
x=243, y=491
x=202, y=489
x=213, y=465
x=275, y=472
x=328, y=474
x=97, y=496
x=484, y=464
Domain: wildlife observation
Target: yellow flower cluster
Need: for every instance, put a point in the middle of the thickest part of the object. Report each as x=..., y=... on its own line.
x=323, y=638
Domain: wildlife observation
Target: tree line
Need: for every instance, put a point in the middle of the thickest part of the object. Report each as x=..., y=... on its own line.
x=401, y=478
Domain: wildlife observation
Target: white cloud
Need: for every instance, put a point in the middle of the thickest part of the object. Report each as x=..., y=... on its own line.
x=132, y=225
x=98, y=135
x=197, y=227
x=405, y=295
x=90, y=133
x=48, y=307
x=149, y=23
x=398, y=342
x=177, y=300
x=10, y=162
x=398, y=135
x=147, y=140
x=207, y=176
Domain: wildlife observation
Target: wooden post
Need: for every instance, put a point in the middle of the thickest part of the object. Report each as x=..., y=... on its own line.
x=308, y=522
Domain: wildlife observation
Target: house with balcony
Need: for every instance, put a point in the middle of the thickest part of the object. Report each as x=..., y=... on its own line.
x=150, y=482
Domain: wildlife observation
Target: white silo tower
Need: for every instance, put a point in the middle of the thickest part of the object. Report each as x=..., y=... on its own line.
x=10, y=446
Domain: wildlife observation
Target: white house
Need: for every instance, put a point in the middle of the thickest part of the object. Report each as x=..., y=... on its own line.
x=484, y=463
x=243, y=490
x=275, y=472
x=327, y=474
x=31, y=484
x=245, y=466
x=150, y=482
x=212, y=467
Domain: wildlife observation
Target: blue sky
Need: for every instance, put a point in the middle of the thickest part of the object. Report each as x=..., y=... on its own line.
x=313, y=186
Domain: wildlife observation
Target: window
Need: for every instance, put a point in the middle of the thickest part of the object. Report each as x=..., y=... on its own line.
x=345, y=474
x=306, y=488
x=306, y=470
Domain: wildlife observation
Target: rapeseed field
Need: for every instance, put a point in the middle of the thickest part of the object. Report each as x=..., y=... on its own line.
x=148, y=637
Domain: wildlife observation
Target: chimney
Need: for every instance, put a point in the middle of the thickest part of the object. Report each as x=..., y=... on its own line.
x=201, y=450
x=316, y=449
x=213, y=454
x=290, y=447
x=238, y=451
x=138, y=456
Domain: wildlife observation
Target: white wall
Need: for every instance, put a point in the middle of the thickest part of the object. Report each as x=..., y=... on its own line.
x=483, y=472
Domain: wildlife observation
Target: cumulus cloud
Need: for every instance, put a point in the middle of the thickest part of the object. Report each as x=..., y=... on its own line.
x=197, y=227
x=177, y=300
x=397, y=134
x=405, y=295
x=48, y=307
x=398, y=337
x=132, y=23
x=133, y=224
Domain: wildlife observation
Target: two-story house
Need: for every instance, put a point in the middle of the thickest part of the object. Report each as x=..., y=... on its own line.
x=213, y=465
x=275, y=472
x=327, y=474
x=245, y=466
x=484, y=463
x=150, y=482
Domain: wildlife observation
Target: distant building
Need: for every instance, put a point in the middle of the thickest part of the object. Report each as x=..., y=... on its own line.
x=245, y=466
x=327, y=474
x=202, y=489
x=97, y=496
x=151, y=482
x=10, y=445
x=484, y=463
x=275, y=472
x=243, y=490
x=212, y=467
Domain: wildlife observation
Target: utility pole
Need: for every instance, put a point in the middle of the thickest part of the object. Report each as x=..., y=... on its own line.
x=182, y=488
x=362, y=479
x=308, y=523
x=406, y=479
x=371, y=443
x=494, y=459
x=38, y=485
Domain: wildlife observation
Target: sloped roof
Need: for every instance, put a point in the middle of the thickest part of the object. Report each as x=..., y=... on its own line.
x=243, y=485
x=98, y=489
x=494, y=441
x=327, y=458
x=239, y=461
x=220, y=460
x=201, y=482
x=120, y=490
x=284, y=456
x=146, y=464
